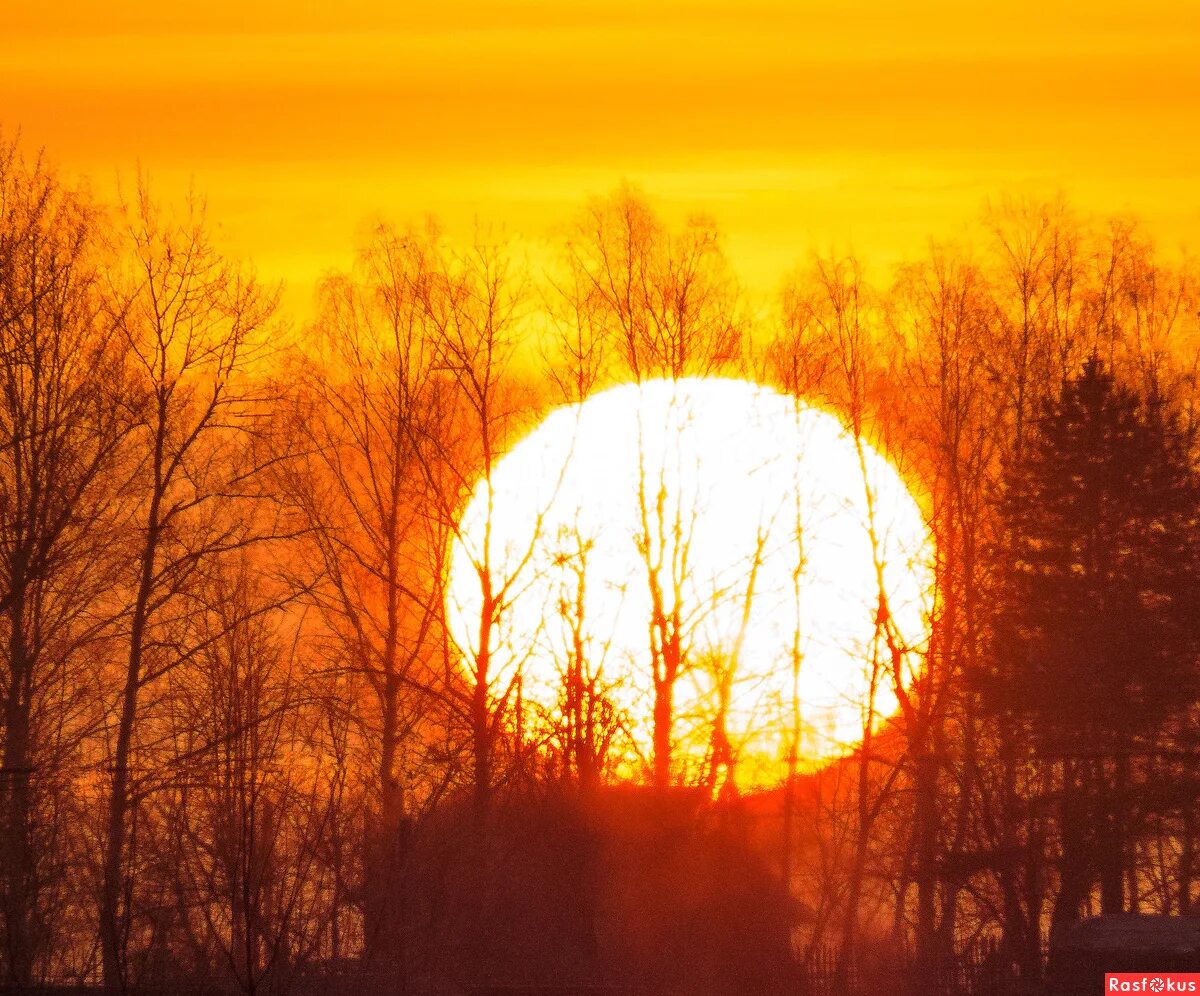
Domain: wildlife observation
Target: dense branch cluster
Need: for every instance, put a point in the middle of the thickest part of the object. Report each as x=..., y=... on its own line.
x=240, y=746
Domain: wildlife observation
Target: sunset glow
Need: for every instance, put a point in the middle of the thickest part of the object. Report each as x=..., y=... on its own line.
x=868, y=126
x=741, y=487
x=598, y=496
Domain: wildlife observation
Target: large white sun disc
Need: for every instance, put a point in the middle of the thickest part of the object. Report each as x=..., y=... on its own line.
x=755, y=511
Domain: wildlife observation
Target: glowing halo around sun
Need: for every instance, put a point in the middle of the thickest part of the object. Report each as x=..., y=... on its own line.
x=728, y=474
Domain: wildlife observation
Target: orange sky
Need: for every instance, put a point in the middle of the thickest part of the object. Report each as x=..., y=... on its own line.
x=798, y=125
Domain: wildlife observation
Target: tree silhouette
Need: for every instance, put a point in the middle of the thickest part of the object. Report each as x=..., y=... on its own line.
x=61, y=426
x=1097, y=633
x=193, y=325
x=243, y=748
x=667, y=304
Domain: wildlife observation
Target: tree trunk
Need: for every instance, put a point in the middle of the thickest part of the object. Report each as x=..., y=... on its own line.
x=17, y=876
x=17, y=857
x=1111, y=852
x=1186, y=860
x=384, y=856
x=1015, y=926
x=112, y=916
x=1074, y=874
x=663, y=715
x=112, y=939
x=925, y=824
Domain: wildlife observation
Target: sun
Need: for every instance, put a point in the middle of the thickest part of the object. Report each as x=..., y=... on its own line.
x=755, y=522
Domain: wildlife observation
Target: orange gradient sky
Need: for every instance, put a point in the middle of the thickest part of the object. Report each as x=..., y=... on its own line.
x=870, y=126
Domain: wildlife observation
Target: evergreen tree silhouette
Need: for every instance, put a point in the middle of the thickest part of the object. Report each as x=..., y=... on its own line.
x=1097, y=630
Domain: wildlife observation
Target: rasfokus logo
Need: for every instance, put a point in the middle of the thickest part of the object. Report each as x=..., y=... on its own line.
x=1146, y=982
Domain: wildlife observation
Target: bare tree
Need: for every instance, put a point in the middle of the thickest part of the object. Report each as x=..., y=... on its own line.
x=1041, y=290
x=250, y=805
x=589, y=723
x=370, y=402
x=943, y=316
x=578, y=351
x=798, y=360
x=194, y=325
x=473, y=306
x=671, y=309
x=667, y=301
x=829, y=333
x=61, y=424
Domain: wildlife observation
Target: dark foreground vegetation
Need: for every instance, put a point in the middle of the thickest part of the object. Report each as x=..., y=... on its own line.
x=242, y=754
